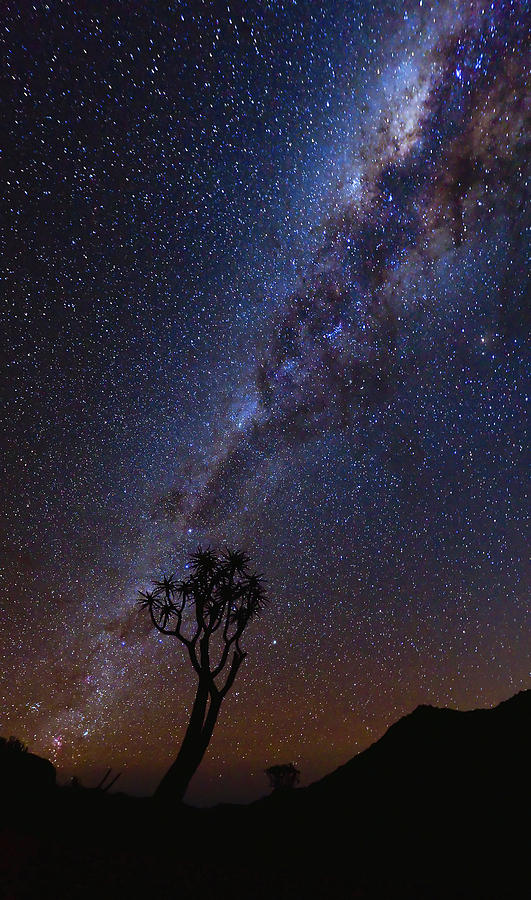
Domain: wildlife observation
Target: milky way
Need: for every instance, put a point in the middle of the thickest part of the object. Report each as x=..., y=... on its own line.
x=435, y=165
x=266, y=286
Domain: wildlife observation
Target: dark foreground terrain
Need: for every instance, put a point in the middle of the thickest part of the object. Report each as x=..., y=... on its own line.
x=438, y=808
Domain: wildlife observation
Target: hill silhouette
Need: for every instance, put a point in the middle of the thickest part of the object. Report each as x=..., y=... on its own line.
x=441, y=752
x=437, y=808
x=438, y=805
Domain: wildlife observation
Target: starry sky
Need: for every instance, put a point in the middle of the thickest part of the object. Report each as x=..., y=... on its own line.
x=265, y=287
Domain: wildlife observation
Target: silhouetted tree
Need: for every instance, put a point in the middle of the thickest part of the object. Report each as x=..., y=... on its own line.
x=208, y=613
x=283, y=777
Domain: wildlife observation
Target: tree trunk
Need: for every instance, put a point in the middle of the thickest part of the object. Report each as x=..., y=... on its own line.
x=196, y=740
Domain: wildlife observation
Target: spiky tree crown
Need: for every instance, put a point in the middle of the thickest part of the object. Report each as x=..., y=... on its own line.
x=217, y=584
x=220, y=595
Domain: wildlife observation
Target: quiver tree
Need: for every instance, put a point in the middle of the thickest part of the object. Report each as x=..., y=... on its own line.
x=283, y=777
x=208, y=613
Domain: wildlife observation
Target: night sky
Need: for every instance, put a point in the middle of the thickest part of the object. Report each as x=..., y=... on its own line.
x=265, y=286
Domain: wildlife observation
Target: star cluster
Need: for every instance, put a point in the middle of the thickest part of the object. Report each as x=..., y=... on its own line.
x=265, y=287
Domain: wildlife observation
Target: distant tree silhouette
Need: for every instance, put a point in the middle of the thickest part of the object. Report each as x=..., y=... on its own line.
x=283, y=777
x=208, y=613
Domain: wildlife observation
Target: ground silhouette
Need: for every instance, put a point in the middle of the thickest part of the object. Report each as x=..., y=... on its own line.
x=437, y=808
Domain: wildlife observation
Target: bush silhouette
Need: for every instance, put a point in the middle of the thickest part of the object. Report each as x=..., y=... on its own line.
x=283, y=777
x=12, y=745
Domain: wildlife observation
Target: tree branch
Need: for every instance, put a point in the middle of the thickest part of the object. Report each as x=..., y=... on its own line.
x=225, y=654
x=237, y=660
x=160, y=627
x=193, y=655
